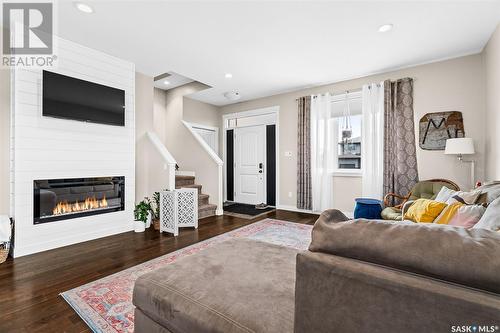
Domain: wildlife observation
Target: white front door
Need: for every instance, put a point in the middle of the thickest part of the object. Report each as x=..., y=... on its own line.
x=249, y=169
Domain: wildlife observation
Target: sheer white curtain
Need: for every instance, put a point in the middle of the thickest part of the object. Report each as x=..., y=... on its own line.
x=372, y=150
x=322, y=150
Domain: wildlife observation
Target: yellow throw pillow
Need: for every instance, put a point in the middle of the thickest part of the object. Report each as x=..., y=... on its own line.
x=448, y=213
x=424, y=210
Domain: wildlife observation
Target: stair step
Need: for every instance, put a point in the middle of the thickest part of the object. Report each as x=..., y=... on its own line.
x=191, y=186
x=206, y=211
x=184, y=180
x=203, y=199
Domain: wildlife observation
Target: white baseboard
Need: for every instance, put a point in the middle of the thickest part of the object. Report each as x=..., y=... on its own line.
x=295, y=209
x=39, y=247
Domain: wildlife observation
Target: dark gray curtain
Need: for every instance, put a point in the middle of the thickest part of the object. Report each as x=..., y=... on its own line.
x=304, y=180
x=400, y=160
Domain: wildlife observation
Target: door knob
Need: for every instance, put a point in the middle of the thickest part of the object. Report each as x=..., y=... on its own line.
x=261, y=165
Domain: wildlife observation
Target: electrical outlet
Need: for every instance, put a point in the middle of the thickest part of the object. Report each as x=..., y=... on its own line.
x=288, y=154
x=290, y=194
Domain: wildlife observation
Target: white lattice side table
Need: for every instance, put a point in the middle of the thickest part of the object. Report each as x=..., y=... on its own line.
x=187, y=207
x=178, y=209
x=168, y=212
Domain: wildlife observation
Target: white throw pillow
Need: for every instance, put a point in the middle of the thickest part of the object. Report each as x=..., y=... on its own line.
x=468, y=198
x=445, y=194
x=491, y=217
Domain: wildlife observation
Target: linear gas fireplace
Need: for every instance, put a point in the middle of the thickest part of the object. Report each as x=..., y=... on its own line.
x=61, y=199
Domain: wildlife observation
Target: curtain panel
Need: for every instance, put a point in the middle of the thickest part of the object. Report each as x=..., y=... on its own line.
x=323, y=152
x=304, y=180
x=400, y=160
x=372, y=152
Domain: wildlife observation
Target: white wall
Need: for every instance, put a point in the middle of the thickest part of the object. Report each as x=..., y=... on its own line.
x=491, y=56
x=144, y=122
x=452, y=85
x=4, y=141
x=201, y=113
x=47, y=148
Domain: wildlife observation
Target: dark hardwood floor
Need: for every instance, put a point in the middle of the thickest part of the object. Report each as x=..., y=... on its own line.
x=30, y=285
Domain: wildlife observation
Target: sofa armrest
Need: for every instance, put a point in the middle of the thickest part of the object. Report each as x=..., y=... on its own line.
x=333, y=292
x=333, y=216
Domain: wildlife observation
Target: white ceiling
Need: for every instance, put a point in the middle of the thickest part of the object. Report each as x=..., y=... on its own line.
x=273, y=47
x=173, y=80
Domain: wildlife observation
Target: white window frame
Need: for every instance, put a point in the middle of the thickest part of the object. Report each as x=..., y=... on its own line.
x=337, y=172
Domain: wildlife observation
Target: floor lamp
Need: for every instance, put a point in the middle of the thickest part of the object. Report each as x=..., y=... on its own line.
x=460, y=147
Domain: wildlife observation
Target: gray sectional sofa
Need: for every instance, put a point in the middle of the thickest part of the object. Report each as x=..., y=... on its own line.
x=357, y=276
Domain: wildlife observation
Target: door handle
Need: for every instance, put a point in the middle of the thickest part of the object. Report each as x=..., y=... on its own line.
x=260, y=167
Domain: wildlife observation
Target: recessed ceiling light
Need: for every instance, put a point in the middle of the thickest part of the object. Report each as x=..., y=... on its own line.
x=166, y=82
x=228, y=75
x=385, y=28
x=83, y=7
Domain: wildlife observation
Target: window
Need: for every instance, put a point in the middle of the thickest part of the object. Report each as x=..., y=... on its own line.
x=347, y=156
x=349, y=150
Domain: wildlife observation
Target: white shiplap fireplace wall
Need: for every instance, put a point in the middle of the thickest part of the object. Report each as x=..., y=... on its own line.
x=49, y=148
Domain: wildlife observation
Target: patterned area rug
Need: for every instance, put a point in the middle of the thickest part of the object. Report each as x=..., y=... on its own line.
x=106, y=304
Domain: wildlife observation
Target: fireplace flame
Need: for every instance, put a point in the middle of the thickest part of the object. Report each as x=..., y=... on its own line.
x=89, y=203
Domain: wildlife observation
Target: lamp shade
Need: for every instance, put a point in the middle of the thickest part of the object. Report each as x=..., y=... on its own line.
x=459, y=146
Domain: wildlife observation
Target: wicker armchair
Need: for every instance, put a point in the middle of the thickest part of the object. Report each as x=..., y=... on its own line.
x=426, y=189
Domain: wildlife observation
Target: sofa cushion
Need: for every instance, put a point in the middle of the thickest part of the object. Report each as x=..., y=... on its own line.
x=467, y=256
x=444, y=194
x=391, y=213
x=489, y=192
x=467, y=216
x=424, y=210
x=239, y=285
x=491, y=217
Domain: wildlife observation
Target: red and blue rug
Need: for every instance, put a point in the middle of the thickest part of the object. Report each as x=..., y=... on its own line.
x=106, y=304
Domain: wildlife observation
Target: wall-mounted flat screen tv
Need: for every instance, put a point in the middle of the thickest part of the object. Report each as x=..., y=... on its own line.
x=70, y=98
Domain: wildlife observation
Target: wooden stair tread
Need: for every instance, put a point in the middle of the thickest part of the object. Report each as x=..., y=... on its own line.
x=205, y=209
x=189, y=186
x=178, y=177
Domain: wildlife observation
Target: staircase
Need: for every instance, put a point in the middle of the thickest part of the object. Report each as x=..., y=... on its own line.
x=205, y=209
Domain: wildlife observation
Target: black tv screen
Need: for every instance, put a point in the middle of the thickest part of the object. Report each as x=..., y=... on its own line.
x=70, y=98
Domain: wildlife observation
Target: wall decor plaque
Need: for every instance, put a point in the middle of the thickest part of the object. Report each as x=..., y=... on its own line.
x=435, y=128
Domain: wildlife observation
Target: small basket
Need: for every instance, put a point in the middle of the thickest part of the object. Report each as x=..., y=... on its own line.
x=4, y=251
x=156, y=224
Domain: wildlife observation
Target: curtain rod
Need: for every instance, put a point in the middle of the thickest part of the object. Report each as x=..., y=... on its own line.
x=359, y=89
x=337, y=94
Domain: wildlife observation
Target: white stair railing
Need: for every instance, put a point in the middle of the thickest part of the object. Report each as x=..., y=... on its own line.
x=213, y=155
x=169, y=160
